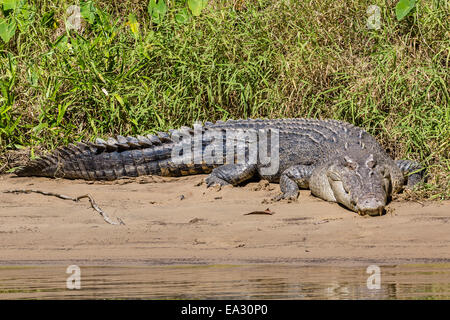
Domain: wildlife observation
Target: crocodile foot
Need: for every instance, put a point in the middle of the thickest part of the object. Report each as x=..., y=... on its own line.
x=213, y=180
x=290, y=196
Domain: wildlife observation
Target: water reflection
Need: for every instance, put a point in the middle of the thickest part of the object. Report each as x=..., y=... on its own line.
x=226, y=282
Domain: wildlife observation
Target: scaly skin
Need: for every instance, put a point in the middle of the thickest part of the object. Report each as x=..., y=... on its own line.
x=337, y=161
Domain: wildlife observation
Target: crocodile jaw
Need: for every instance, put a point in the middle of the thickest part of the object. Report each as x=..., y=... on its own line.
x=326, y=183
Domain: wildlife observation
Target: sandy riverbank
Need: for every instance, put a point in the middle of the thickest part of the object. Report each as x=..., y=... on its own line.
x=174, y=221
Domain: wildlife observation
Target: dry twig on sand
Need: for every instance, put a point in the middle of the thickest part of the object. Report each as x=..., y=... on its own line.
x=267, y=211
x=77, y=199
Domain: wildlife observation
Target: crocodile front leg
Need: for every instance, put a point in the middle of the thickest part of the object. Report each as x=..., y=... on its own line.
x=231, y=174
x=292, y=179
x=413, y=171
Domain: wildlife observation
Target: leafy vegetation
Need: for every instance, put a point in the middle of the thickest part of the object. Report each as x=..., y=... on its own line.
x=133, y=67
x=403, y=8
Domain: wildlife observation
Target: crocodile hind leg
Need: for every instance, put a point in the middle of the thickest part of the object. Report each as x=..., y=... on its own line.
x=413, y=171
x=292, y=179
x=231, y=174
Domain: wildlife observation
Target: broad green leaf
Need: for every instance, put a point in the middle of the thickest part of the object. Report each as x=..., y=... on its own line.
x=9, y=4
x=133, y=24
x=196, y=6
x=182, y=16
x=157, y=9
x=403, y=7
x=7, y=29
x=88, y=11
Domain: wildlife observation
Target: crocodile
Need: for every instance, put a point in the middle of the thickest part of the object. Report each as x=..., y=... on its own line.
x=337, y=161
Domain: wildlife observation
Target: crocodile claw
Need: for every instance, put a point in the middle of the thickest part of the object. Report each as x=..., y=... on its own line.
x=286, y=196
x=213, y=180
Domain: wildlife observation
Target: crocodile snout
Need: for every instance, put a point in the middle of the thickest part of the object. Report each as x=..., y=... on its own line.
x=371, y=207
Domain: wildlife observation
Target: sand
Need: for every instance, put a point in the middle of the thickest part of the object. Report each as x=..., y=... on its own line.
x=180, y=221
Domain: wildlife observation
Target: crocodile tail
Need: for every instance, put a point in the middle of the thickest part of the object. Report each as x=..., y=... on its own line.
x=107, y=160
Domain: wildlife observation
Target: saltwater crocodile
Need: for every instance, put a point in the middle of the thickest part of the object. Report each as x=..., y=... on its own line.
x=337, y=161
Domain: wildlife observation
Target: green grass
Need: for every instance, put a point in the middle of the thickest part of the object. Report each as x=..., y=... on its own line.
x=238, y=59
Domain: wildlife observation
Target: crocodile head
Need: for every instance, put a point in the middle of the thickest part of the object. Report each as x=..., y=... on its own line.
x=361, y=182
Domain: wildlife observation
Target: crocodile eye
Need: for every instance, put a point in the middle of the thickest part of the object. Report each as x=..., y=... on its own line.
x=370, y=162
x=349, y=163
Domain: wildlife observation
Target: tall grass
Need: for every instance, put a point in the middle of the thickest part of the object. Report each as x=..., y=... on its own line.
x=238, y=59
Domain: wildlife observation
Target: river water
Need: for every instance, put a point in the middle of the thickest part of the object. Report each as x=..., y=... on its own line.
x=426, y=281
